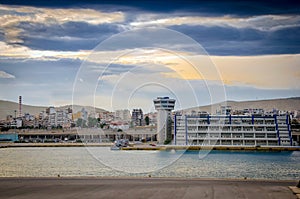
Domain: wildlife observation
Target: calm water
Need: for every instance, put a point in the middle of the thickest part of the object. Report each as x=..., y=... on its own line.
x=100, y=161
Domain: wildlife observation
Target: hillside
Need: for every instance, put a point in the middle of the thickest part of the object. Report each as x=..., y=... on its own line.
x=89, y=109
x=288, y=104
x=8, y=108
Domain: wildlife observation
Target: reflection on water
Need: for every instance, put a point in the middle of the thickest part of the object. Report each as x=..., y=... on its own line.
x=135, y=161
x=100, y=161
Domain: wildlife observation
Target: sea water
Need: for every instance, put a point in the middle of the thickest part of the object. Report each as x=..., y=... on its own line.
x=101, y=161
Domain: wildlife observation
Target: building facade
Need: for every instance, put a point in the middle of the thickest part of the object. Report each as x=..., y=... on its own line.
x=122, y=115
x=137, y=117
x=232, y=130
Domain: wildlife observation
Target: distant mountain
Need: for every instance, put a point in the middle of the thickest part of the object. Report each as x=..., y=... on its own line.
x=8, y=108
x=287, y=104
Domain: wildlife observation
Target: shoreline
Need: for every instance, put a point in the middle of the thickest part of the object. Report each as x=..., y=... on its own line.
x=152, y=178
x=159, y=147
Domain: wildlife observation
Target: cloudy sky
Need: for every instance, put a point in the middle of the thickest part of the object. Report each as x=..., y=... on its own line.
x=122, y=55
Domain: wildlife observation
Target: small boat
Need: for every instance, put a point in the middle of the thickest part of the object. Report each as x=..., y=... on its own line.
x=118, y=144
x=114, y=148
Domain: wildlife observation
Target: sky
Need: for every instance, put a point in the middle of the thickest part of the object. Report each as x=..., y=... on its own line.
x=118, y=54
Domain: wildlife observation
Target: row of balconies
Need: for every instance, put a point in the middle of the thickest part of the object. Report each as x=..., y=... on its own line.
x=232, y=119
x=240, y=129
x=270, y=135
x=223, y=124
x=240, y=123
x=286, y=139
x=234, y=137
x=242, y=135
x=228, y=140
x=230, y=131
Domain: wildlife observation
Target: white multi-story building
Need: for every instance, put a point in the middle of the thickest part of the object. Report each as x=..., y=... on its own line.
x=56, y=118
x=60, y=117
x=123, y=115
x=232, y=130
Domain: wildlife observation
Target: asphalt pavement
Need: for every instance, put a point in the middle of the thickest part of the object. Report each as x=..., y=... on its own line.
x=101, y=187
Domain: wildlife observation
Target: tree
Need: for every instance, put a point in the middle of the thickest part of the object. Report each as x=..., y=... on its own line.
x=80, y=122
x=102, y=125
x=147, y=120
x=92, y=122
x=167, y=141
x=295, y=121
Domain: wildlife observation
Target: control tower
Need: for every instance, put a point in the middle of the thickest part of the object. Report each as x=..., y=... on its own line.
x=164, y=106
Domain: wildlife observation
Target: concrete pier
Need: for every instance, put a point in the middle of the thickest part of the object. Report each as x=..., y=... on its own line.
x=172, y=188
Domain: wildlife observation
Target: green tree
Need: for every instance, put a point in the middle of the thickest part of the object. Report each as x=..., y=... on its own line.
x=102, y=125
x=92, y=122
x=147, y=120
x=167, y=141
x=81, y=123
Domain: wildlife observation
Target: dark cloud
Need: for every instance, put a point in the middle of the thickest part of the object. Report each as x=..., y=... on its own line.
x=243, y=41
x=284, y=41
x=210, y=7
x=217, y=40
x=69, y=36
x=2, y=35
